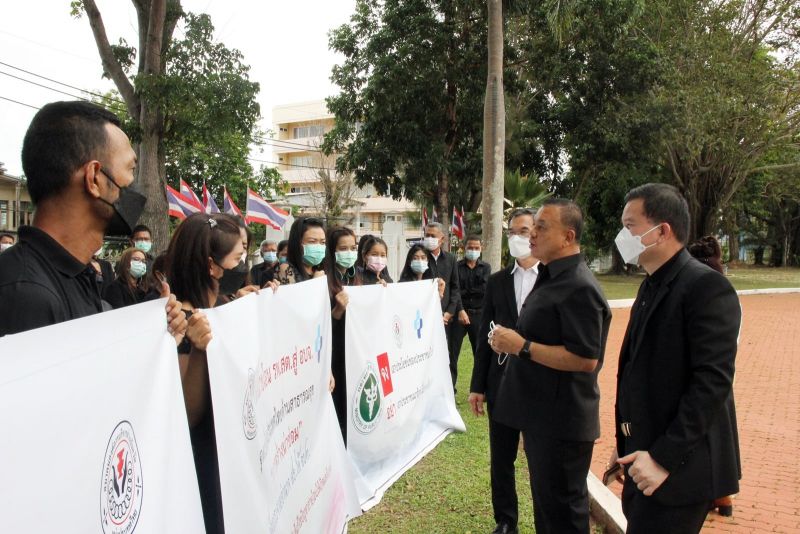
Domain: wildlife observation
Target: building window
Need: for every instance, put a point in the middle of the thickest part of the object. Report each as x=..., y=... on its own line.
x=4, y=214
x=388, y=218
x=314, y=130
x=302, y=161
x=300, y=189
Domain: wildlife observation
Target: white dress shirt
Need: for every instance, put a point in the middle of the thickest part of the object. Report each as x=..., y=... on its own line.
x=523, y=282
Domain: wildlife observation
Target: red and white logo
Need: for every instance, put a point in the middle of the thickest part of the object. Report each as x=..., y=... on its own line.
x=121, y=486
x=386, y=374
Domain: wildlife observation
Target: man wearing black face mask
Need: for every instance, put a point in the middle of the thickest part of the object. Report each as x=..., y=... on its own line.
x=79, y=166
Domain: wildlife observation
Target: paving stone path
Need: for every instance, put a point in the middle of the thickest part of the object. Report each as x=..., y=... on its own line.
x=767, y=391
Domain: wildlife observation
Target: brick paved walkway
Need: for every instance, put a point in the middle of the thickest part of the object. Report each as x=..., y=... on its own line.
x=767, y=390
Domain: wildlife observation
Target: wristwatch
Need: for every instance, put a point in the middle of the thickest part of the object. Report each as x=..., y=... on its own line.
x=525, y=351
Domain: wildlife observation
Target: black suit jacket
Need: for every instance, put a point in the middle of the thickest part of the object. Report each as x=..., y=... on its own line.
x=675, y=382
x=446, y=268
x=500, y=306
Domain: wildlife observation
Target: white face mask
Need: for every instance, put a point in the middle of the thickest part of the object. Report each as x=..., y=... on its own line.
x=431, y=243
x=630, y=246
x=519, y=247
x=5, y=246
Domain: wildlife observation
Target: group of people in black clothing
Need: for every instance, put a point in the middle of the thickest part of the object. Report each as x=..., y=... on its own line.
x=538, y=328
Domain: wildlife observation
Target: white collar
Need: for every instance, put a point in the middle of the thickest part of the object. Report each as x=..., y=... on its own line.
x=534, y=267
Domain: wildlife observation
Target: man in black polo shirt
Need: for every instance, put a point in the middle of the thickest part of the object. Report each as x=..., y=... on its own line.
x=79, y=166
x=473, y=275
x=549, y=391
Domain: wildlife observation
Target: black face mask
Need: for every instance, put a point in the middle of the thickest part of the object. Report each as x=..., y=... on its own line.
x=127, y=209
x=232, y=279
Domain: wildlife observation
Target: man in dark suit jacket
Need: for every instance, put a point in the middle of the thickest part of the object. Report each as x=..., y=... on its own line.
x=446, y=268
x=675, y=415
x=505, y=293
x=549, y=389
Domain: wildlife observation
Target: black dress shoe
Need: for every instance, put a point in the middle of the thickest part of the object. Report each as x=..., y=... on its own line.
x=505, y=528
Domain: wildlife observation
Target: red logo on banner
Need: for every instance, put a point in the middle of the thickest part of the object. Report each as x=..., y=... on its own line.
x=386, y=374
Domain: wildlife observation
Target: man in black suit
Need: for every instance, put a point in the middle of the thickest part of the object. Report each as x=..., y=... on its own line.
x=446, y=269
x=505, y=292
x=675, y=416
x=549, y=388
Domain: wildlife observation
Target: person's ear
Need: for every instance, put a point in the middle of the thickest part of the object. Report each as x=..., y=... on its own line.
x=666, y=230
x=91, y=178
x=569, y=237
x=212, y=267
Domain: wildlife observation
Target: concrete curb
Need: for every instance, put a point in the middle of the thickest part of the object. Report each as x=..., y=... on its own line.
x=605, y=507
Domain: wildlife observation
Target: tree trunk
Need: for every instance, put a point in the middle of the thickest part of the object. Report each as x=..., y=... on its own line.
x=494, y=140
x=617, y=263
x=155, y=32
x=733, y=245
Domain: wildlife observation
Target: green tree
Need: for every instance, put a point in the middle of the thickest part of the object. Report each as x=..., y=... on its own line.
x=730, y=100
x=191, y=109
x=409, y=114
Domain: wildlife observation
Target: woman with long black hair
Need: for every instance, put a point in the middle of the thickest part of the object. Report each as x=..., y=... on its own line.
x=420, y=265
x=305, y=252
x=203, y=262
x=342, y=272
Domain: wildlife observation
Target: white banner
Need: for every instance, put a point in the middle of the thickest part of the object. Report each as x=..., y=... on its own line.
x=93, y=431
x=400, y=402
x=283, y=466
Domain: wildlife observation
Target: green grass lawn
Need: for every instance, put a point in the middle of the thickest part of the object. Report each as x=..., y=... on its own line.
x=625, y=287
x=448, y=491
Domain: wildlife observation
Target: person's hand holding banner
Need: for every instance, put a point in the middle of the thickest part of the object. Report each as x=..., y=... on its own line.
x=176, y=319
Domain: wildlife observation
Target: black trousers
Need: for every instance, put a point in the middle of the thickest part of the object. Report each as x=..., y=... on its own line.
x=646, y=516
x=558, y=472
x=503, y=446
x=457, y=333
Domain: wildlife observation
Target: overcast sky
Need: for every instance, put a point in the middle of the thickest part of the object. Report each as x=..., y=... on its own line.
x=284, y=42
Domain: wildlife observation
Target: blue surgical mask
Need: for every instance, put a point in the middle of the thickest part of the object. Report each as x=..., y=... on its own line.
x=144, y=246
x=472, y=255
x=346, y=258
x=138, y=268
x=419, y=266
x=313, y=254
x=282, y=259
x=270, y=256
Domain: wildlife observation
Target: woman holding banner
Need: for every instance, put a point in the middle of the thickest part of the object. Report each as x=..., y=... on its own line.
x=342, y=272
x=305, y=253
x=204, y=257
x=374, y=262
x=420, y=265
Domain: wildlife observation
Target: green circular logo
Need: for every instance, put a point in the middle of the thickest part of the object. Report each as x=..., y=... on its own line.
x=367, y=402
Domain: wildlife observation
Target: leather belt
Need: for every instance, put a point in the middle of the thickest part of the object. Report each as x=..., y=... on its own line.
x=626, y=429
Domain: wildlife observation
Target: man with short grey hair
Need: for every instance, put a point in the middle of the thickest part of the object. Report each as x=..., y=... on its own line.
x=506, y=291
x=446, y=270
x=264, y=272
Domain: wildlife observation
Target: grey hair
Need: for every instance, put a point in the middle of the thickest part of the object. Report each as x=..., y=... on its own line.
x=435, y=225
x=519, y=212
x=268, y=242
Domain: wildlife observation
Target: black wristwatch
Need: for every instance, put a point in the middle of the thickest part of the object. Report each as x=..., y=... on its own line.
x=525, y=351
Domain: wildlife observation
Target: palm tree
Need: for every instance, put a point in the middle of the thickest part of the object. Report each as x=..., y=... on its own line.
x=560, y=14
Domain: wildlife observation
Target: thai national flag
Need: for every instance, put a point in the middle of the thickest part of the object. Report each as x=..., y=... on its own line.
x=189, y=195
x=208, y=201
x=228, y=205
x=261, y=211
x=175, y=209
x=457, y=226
